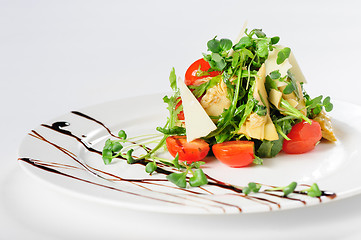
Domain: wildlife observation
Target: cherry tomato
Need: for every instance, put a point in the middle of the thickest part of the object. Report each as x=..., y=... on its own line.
x=191, y=75
x=234, y=153
x=187, y=151
x=304, y=137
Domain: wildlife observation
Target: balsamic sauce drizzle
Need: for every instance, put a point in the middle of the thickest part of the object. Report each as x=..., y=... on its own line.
x=34, y=163
x=235, y=191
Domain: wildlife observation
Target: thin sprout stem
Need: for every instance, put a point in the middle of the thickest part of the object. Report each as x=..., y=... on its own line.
x=145, y=135
x=285, y=118
x=161, y=159
x=159, y=145
x=293, y=111
x=279, y=130
x=146, y=140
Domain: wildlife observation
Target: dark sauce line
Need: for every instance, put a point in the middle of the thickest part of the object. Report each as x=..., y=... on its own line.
x=266, y=200
x=283, y=197
x=58, y=165
x=31, y=162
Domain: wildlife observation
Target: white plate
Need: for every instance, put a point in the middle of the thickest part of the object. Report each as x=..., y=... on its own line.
x=65, y=153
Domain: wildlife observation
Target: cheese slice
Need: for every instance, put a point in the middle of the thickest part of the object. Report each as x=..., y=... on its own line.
x=197, y=122
x=295, y=70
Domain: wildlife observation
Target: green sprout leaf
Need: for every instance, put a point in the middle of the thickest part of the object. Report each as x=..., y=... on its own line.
x=286, y=190
x=252, y=187
x=259, y=33
x=275, y=74
x=173, y=80
x=129, y=157
x=172, y=131
x=198, y=179
x=196, y=164
x=107, y=156
x=246, y=190
x=289, y=188
x=178, y=179
x=218, y=62
x=275, y=40
x=262, y=47
x=327, y=104
x=122, y=134
x=314, y=106
x=150, y=167
x=225, y=44
x=314, y=191
x=257, y=160
x=289, y=88
x=116, y=147
x=108, y=144
x=243, y=43
x=283, y=55
x=214, y=45
x=176, y=161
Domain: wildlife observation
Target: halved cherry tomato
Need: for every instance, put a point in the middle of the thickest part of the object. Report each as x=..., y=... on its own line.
x=234, y=153
x=187, y=151
x=193, y=73
x=304, y=137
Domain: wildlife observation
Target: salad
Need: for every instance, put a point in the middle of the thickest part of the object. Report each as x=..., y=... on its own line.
x=244, y=101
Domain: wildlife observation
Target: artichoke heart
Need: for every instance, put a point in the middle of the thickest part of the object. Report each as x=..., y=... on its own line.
x=216, y=100
x=326, y=127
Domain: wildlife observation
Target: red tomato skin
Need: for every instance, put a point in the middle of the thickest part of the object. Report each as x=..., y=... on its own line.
x=190, y=152
x=180, y=115
x=191, y=73
x=235, y=154
x=304, y=137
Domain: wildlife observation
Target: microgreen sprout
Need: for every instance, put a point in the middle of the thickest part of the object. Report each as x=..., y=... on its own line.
x=282, y=55
x=251, y=187
x=129, y=157
x=313, y=191
x=290, y=188
x=198, y=177
x=151, y=167
x=122, y=134
x=314, y=106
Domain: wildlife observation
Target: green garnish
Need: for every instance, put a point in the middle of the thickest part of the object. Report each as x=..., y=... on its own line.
x=313, y=191
x=286, y=189
x=283, y=55
x=252, y=187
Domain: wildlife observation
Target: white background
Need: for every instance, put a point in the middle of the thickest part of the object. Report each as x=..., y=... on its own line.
x=58, y=56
